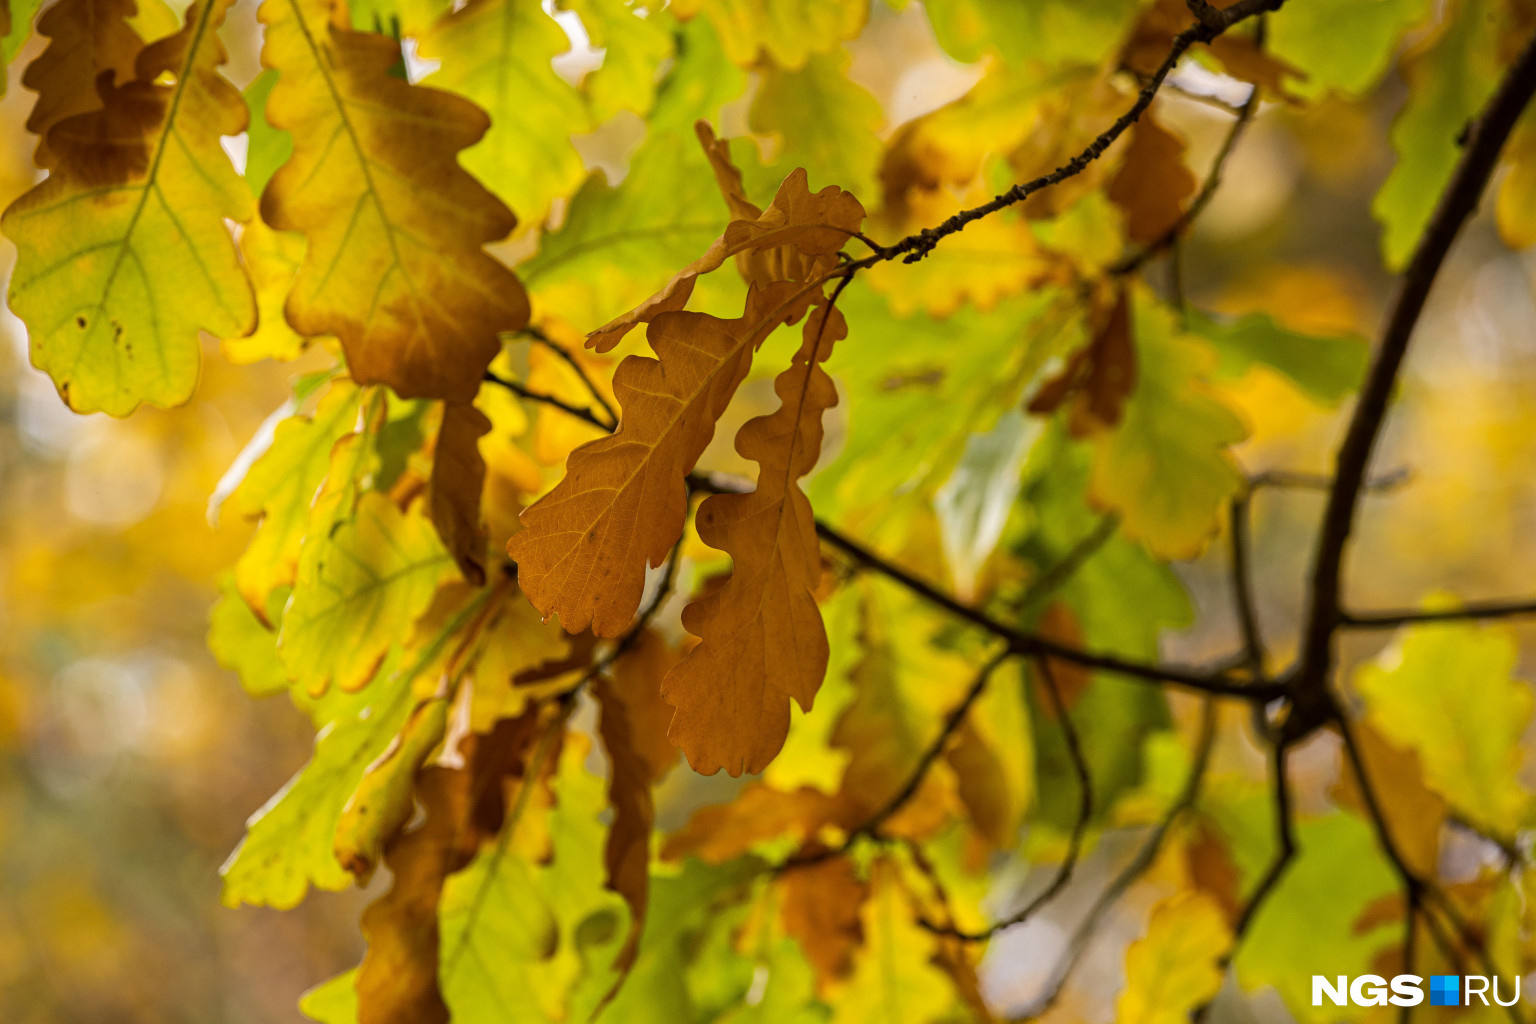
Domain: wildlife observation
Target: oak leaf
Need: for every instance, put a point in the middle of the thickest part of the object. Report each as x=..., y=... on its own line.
x=1175, y=966
x=85, y=38
x=280, y=488
x=584, y=547
x=396, y=266
x=631, y=723
x=820, y=908
x=112, y=310
x=453, y=490
x=762, y=638
x=1153, y=183
x=497, y=53
x=397, y=982
x=787, y=32
x=372, y=579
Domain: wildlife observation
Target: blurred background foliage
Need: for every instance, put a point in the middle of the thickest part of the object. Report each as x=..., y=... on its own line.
x=131, y=759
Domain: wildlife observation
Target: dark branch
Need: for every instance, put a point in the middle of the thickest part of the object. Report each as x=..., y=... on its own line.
x=1242, y=587
x=581, y=372
x=1210, y=23
x=538, y=396
x=1032, y=644
x=1138, y=865
x=1404, y=617
x=1079, y=826
x=1485, y=140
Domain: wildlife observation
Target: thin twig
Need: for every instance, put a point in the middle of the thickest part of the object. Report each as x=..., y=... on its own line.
x=1079, y=826
x=1207, y=27
x=1138, y=865
x=1417, y=890
x=1032, y=644
x=1175, y=231
x=516, y=388
x=1053, y=578
x=570, y=360
x=1406, y=617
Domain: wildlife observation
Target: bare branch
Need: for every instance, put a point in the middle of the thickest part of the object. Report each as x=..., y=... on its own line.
x=1485, y=139
x=1474, y=610
x=523, y=391
x=1209, y=24
x=586, y=379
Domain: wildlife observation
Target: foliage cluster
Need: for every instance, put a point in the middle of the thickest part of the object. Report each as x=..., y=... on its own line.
x=866, y=482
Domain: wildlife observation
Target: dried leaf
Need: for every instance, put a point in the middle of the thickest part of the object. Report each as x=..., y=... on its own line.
x=820, y=907
x=632, y=711
x=85, y=38
x=584, y=547
x=397, y=981
x=396, y=265
x=762, y=638
x=453, y=492
x=1153, y=184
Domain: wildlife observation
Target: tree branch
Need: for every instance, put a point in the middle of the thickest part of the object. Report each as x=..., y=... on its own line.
x=1079, y=826
x=1077, y=944
x=1209, y=24
x=1134, y=261
x=1485, y=140
x=1215, y=682
x=586, y=379
x=538, y=396
x=1474, y=610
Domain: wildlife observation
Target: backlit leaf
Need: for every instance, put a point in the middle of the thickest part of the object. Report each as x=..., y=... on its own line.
x=373, y=577
x=1448, y=693
x=396, y=266
x=113, y=311
x=1176, y=966
x=762, y=642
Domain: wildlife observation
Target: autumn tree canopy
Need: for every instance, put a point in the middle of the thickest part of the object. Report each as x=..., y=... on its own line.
x=819, y=396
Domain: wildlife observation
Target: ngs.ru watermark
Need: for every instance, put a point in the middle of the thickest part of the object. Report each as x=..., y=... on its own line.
x=1408, y=990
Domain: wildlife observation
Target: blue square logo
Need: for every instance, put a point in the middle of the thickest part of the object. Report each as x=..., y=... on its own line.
x=1445, y=990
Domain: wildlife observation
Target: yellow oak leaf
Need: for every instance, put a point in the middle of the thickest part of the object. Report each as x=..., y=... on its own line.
x=85, y=38
x=1448, y=692
x=895, y=979
x=112, y=308
x=1413, y=811
x=271, y=258
x=762, y=638
x=1165, y=467
x=396, y=266
x=1176, y=966
x=788, y=31
x=281, y=487
x=371, y=580
x=497, y=53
